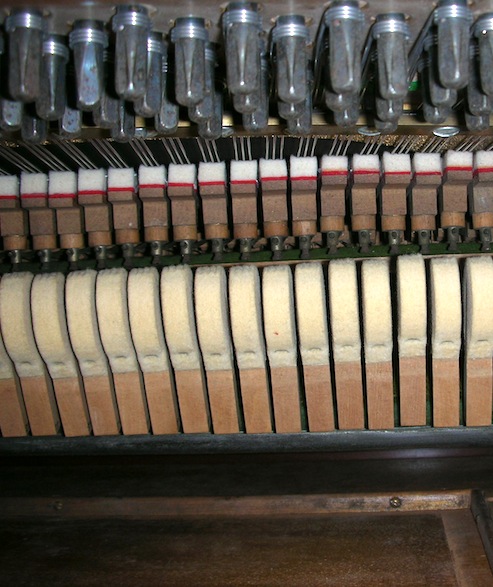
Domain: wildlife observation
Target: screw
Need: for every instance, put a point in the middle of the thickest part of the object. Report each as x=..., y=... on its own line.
x=395, y=502
x=58, y=505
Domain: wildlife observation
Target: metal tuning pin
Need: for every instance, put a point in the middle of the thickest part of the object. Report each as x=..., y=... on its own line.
x=212, y=128
x=25, y=31
x=350, y=114
x=51, y=101
x=167, y=119
x=106, y=114
x=148, y=106
x=242, y=27
x=124, y=130
x=391, y=33
x=10, y=114
x=70, y=125
x=438, y=94
x=132, y=26
x=478, y=103
x=431, y=113
x=290, y=37
x=88, y=40
x=259, y=120
x=483, y=31
x=476, y=123
x=204, y=110
x=33, y=129
x=344, y=21
x=246, y=103
x=453, y=19
x=190, y=38
x=388, y=110
x=301, y=125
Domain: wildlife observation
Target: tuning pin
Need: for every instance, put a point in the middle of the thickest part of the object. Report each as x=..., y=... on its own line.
x=25, y=30
x=106, y=114
x=205, y=108
x=167, y=119
x=212, y=128
x=51, y=100
x=435, y=114
x=70, y=125
x=349, y=115
x=291, y=37
x=88, y=40
x=124, y=130
x=389, y=110
x=242, y=27
x=33, y=128
x=339, y=102
x=290, y=111
x=245, y=103
x=392, y=35
x=438, y=94
x=258, y=121
x=10, y=114
x=190, y=37
x=453, y=19
x=483, y=30
x=149, y=104
x=132, y=26
x=477, y=123
x=385, y=126
x=344, y=20
x=303, y=124
x=478, y=103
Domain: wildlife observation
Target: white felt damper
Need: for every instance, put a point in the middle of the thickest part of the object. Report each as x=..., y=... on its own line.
x=121, y=178
x=18, y=336
x=273, y=169
x=246, y=317
x=305, y=167
x=311, y=314
x=146, y=325
x=346, y=342
x=245, y=308
x=51, y=334
x=34, y=183
x=483, y=160
x=114, y=327
x=461, y=159
x=279, y=320
x=334, y=163
x=181, y=336
x=62, y=182
x=80, y=308
x=152, y=176
x=396, y=163
x=412, y=307
x=243, y=171
x=445, y=340
x=91, y=180
x=212, y=172
x=427, y=163
x=80, y=304
x=377, y=311
x=182, y=174
x=446, y=308
x=9, y=186
x=366, y=163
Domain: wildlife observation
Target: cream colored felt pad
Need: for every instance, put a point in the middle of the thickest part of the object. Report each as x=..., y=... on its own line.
x=344, y=311
x=446, y=308
x=377, y=311
x=478, y=288
x=179, y=317
x=80, y=304
x=279, y=320
x=146, y=323
x=412, y=306
x=114, y=327
x=211, y=310
x=15, y=317
x=246, y=317
x=311, y=313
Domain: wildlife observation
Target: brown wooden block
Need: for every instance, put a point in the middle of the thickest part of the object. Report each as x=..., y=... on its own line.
x=13, y=222
x=453, y=197
x=274, y=204
x=70, y=220
x=223, y=402
x=101, y=403
x=380, y=395
x=126, y=215
x=424, y=200
x=98, y=218
x=286, y=399
x=446, y=393
x=412, y=391
x=132, y=406
x=256, y=401
x=192, y=401
x=13, y=417
x=41, y=407
x=72, y=406
x=161, y=402
x=363, y=201
x=155, y=212
x=349, y=395
x=393, y=200
x=333, y=200
x=42, y=221
x=318, y=395
x=478, y=392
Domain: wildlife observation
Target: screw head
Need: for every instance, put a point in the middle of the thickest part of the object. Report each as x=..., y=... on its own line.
x=395, y=502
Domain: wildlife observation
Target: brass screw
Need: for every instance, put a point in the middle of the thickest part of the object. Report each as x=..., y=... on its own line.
x=395, y=502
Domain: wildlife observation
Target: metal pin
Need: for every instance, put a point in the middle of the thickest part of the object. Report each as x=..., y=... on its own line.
x=33, y=128
x=476, y=123
x=190, y=37
x=453, y=19
x=389, y=110
x=438, y=94
x=10, y=114
x=478, y=103
x=70, y=125
x=212, y=128
x=483, y=30
x=124, y=130
x=25, y=31
x=106, y=115
x=148, y=106
x=166, y=120
x=50, y=104
x=258, y=121
x=205, y=108
x=132, y=26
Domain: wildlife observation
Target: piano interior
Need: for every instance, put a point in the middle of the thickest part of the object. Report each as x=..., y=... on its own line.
x=246, y=308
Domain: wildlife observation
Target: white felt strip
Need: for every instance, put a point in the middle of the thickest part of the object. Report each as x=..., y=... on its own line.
x=273, y=169
x=311, y=313
x=80, y=307
x=377, y=311
x=34, y=183
x=62, y=182
x=483, y=160
x=92, y=181
x=445, y=308
x=211, y=310
x=396, y=163
x=212, y=173
x=246, y=317
x=114, y=327
x=182, y=174
x=243, y=171
x=146, y=323
x=121, y=178
x=179, y=317
x=50, y=325
x=303, y=167
x=427, y=163
x=344, y=311
x=335, y=164
x=9, y=186
x=279, y=321
x=478, y=287
x=152, y=176
x=15, y=318
x=458, y=159
x=411, y=306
